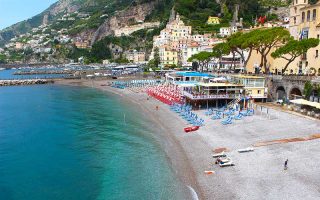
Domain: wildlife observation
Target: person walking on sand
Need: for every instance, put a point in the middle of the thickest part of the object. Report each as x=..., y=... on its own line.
x=286, y=164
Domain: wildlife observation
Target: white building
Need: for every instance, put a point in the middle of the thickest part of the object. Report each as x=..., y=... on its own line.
x=176, y=42
x=225, y=31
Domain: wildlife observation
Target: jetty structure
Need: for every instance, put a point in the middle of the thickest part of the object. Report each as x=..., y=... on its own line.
x=25, y=82
x=40, y=72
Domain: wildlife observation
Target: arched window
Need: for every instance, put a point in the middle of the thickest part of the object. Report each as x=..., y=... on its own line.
x=314, y=14
x=308, y=15
x=303, y=16
x=295, y=9
x=294, y=20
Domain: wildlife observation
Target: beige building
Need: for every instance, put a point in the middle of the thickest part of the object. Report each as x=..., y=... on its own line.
x=136, y=56
x=82, y=44
x=304, y=23
x=178, y=43
x=19, y=45
x=254, y=85
x=168, y=56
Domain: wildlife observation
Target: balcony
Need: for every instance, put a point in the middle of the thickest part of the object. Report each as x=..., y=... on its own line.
x=210, y=97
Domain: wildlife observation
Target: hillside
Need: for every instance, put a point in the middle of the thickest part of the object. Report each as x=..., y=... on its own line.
x=101, y=11
x=47, y=16
x=95, y=23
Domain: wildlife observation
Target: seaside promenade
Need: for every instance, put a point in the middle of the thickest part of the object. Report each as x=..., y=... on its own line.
x=256, y=175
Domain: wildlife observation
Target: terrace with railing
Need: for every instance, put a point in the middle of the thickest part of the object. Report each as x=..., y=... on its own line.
x=202, y=96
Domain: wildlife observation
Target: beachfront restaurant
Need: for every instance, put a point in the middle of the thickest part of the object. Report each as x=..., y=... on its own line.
x=254, y=86
x=208, y=95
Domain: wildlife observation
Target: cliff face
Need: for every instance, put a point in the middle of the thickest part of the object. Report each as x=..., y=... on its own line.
x=131, y=15
x=128, y=14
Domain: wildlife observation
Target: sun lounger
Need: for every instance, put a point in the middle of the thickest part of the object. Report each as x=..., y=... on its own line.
x=227, y=121
x=249, y=149
x=215, y=117
x=238, y=117
x=218, y=155
x=209, y=112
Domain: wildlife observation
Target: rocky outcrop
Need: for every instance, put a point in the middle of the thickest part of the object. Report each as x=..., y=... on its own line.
x=133, y=14
x=281, y=12
x=69, y=6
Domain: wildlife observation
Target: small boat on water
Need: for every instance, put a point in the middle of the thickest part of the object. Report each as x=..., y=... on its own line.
x=191, y=129
x=1, y=68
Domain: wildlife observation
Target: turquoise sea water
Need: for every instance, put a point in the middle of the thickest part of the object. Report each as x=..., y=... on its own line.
x=60, y=142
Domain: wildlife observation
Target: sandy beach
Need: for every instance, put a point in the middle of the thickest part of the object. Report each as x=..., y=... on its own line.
x=256, y=175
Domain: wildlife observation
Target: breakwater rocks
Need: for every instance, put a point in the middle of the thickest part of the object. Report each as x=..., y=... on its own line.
x=24, y=82
x=37, y=72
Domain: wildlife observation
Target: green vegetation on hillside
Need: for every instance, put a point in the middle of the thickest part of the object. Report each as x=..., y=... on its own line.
x=2, y=58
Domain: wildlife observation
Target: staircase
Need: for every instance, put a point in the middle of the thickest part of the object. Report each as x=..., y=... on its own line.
x=233, y=102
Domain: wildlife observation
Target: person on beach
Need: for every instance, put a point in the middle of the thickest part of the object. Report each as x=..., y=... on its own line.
x=157, y=107
x=286, y=164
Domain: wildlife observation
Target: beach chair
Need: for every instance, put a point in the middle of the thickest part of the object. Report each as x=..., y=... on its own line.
x=209, y=112
x=227, y=121
x=217, y=116
x=200, y=122
x=238, y=117
x=244, y=113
